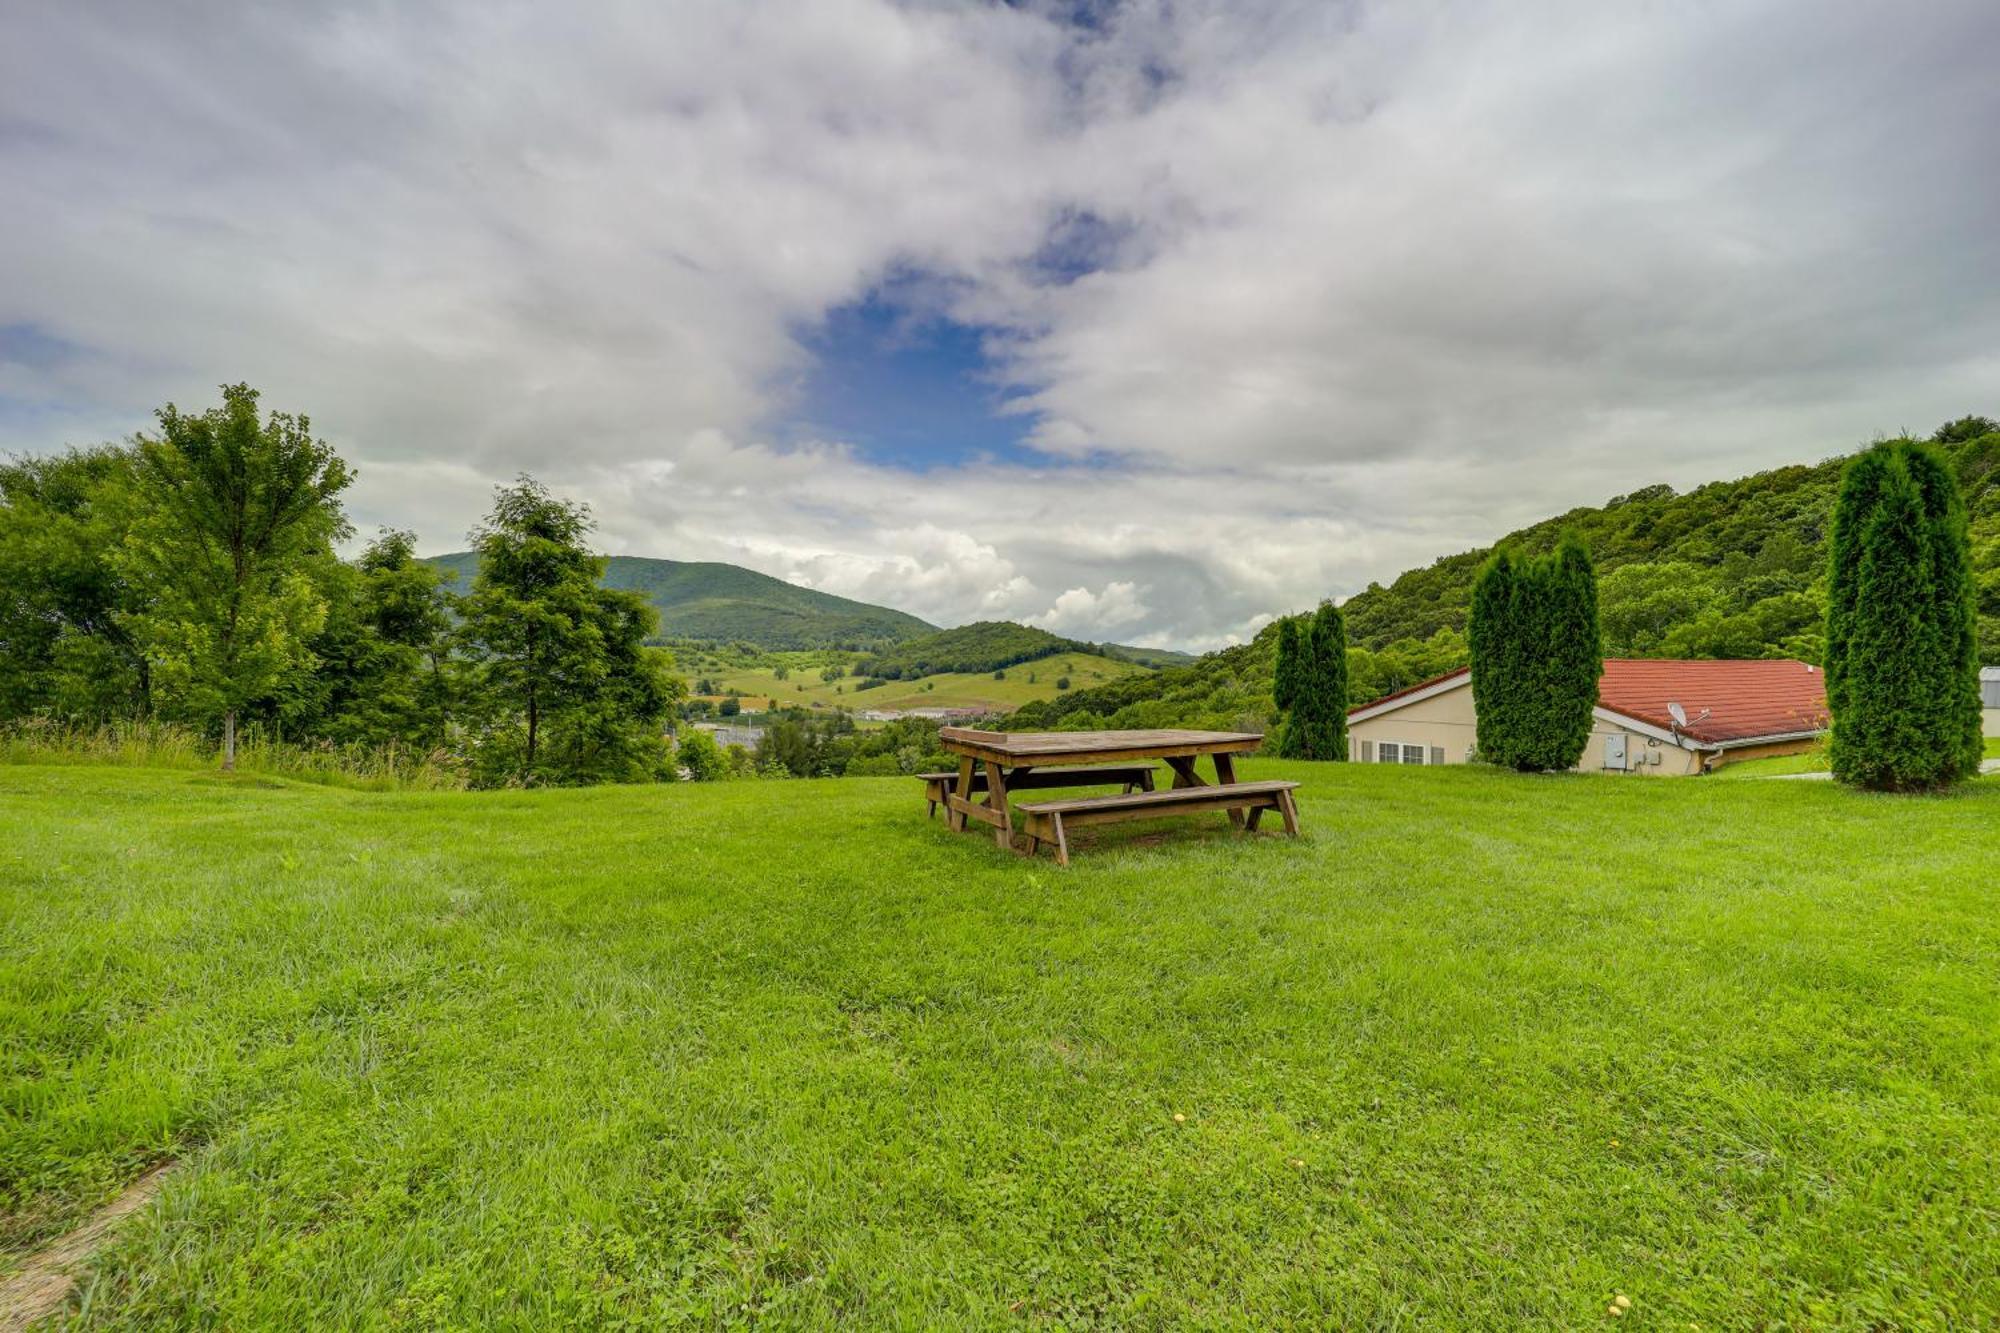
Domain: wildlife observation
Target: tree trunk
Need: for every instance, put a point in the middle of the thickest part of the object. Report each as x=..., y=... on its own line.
x=532, y=719
x=229, y=741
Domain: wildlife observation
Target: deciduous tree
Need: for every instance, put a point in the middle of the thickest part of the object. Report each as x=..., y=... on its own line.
x=567, y=689
x=230, y=507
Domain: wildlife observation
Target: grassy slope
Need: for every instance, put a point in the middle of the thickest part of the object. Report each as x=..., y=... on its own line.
x=951, y=689
x=705, y=600
x=1482, y=1050
x=1811, y=761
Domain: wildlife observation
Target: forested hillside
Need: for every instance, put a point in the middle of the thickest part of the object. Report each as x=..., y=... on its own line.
x=984, y=645
x=1731, y=569
x=718, y=603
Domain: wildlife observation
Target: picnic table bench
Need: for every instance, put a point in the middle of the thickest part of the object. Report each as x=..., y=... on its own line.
x=938, y=785
x=1024, y=759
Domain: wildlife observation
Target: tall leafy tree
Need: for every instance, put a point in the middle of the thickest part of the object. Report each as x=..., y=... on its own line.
x=568, y=689
x=1316, y=726
x=383, y=656
x=66, y=644
x=1902, y=666
x=231, y=507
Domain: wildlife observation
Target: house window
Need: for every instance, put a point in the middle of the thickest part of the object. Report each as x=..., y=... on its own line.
x=1395, y=752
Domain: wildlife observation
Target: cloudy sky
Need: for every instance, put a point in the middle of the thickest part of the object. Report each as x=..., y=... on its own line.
x=1139, y=322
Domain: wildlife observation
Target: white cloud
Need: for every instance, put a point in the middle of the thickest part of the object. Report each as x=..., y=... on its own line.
x=1375, y=281
x=1080, y=613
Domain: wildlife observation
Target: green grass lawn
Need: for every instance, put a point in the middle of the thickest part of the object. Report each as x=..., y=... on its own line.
x=1481, y=1050
x=1807, y=761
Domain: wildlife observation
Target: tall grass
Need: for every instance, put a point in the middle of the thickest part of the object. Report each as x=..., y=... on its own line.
x=146, y=744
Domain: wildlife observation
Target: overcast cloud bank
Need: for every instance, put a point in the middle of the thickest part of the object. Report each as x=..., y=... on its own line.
x=1287, y=297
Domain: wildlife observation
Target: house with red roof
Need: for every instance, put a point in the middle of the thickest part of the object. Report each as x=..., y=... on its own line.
x=1663, y=717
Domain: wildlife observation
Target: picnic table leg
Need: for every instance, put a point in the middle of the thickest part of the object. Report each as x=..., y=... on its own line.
x=1290, y=811
x=955, y=819
x=1225, y=773
x=996, y=799
x=1184, y=774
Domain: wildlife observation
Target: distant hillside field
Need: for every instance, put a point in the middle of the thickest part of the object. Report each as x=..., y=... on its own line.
x=984, y=645
x=1734, y=569
x=727, y=603
x=804, y=687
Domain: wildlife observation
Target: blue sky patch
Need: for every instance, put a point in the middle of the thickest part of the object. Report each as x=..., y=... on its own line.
x=904, y=386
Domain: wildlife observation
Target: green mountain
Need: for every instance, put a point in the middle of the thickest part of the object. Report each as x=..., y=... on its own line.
x=1730, y=570
x=727, y=603
x=984, y=645
x=1152, y=657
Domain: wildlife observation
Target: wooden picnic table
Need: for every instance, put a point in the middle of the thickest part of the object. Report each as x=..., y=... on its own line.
x=1007, y=754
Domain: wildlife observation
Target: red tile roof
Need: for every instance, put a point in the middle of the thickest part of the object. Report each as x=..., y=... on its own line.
x=1745, y=700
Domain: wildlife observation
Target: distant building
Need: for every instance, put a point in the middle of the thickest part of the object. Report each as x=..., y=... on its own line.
x=1733, y=711
x=1989, y=699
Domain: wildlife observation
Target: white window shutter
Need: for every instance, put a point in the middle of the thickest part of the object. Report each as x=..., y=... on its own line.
x=1437, y=754
x=1368, y=752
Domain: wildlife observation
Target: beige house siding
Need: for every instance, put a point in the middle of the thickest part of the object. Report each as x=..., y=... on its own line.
x=1991, y=721
x=1445, y=721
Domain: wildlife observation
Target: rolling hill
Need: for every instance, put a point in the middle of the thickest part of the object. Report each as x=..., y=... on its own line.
x=726, y=603
x=1731, y=569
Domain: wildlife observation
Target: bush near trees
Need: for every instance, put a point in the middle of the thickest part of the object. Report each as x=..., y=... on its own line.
x=1316, y=725
x=1902, y=639
x=1285, y=670
x=1536, y=657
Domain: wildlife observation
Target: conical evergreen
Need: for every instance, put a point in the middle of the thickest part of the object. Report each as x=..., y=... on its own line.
x=1572, y=655
x=1902, y=666
x=1536, y=657
x=1285, y=681
x=1492, y=639
x=1316, y=727
x=1860, y=492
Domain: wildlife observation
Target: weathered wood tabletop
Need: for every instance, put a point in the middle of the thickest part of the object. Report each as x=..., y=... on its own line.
x=1007, y=753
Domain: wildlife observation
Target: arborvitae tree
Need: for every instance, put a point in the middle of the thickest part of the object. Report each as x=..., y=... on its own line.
x=1316, y=727
x=1536, y=657
x=1493, y=639
x=1860, y=493
x=1285, y=680
x=1953, y=612
x=1902, y=669
x=1572, y=655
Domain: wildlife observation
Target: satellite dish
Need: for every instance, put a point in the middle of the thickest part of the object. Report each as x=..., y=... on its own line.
x=1679, y=714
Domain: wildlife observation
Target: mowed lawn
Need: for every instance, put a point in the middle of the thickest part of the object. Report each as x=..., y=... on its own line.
x=1481, y=1050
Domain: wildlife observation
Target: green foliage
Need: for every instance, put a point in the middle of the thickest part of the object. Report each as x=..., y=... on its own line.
x=231, y=509
x=1285, y=671
x=720, y=604
x=701, y=757
x=1536, y=657
x=1903, y=670
x=979, y=648
x=1316, y=724
x=564, y=689
x=66, y=601
x=1732, y=569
